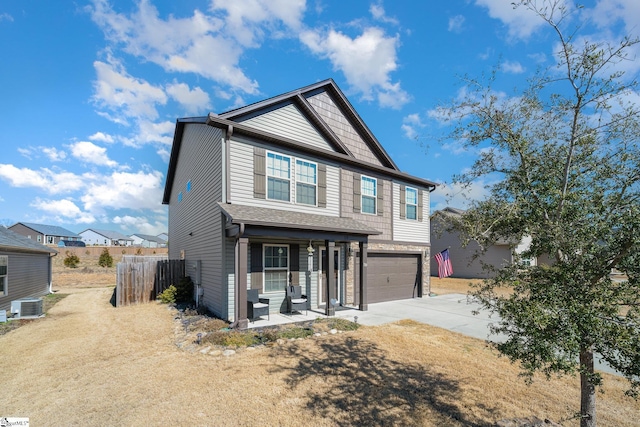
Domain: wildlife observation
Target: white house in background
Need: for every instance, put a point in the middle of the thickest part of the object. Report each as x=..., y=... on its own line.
x=163, y=236
x=93, y=236
x=148, y=241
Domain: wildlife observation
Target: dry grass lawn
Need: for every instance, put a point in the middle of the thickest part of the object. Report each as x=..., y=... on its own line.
x=90, y=364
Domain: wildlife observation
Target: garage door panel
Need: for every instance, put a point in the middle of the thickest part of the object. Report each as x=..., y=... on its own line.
x=391, y=277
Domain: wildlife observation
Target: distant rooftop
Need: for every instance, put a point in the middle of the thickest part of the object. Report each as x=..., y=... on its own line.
x=13, y=241
x=49, y=230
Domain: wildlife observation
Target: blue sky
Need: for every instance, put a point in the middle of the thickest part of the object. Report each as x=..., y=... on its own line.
x=91, y=89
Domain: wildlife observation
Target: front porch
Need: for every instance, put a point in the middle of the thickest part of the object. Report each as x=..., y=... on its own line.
x=277, y=319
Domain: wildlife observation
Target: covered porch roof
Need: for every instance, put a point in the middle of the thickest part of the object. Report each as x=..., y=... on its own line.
x=260, y=221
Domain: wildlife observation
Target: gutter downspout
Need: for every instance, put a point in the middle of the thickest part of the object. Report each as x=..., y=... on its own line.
x=51, y=271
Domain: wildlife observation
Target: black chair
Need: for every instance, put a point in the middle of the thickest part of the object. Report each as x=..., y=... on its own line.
x=256, y=306
x=295, y=300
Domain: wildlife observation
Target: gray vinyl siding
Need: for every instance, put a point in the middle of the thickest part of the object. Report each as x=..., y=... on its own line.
x=464, y=266
x=332, y=115
x=289, y=122
x=406, y=230
x=28, y=275
x=200, y=162
x=380, y=221
x=242, y=181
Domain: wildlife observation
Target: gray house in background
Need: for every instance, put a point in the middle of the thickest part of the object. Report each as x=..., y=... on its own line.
x=45, y=234
x=294, y=190
x=25, y=268
x=463, y=263
x=93, y=236
x=147, y=241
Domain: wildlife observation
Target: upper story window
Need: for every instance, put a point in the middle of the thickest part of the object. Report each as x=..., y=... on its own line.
x=278, y=177
x=369, y=194
x=4, y=265
x=306, y=182
x=411, y=199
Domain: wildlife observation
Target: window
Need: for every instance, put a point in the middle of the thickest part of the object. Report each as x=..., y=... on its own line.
x=4, y=265
x=306, y=181
x=180, y=196
x=411, y=198
x=188, y=186
x=369, y=194
x=278, y=177
x=276, y=268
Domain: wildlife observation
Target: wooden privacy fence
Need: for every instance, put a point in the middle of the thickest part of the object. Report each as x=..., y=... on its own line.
x=140, y=279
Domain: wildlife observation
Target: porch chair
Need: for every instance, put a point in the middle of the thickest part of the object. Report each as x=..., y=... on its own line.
x=295, y=300
x=256, y=306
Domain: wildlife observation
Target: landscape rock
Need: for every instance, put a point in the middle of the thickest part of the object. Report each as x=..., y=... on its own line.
x=228, y=352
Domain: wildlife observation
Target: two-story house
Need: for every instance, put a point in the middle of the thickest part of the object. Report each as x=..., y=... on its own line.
x=294, y=189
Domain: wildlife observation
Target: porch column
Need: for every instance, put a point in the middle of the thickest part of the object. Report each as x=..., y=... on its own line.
x=330, y=293
x=242, y=246
x=363, y=276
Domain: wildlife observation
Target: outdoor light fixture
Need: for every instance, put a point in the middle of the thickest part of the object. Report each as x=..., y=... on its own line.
x=310, y=252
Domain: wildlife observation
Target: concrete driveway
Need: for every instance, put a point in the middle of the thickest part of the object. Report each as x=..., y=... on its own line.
x=451, y=311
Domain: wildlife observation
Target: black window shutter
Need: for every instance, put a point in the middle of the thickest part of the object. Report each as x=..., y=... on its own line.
x=322, y=185
x=380, y=193
x=357, y=201
x=256, y=266
x=294, y=264
x=259, y=173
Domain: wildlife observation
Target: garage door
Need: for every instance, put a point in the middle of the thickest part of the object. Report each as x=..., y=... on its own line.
x=392, y=277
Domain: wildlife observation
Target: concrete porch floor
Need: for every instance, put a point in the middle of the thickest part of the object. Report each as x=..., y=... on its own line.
x=276, y=319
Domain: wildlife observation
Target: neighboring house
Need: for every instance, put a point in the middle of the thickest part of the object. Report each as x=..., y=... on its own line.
x=462, y=258
x=25, y=268
x=92, y=236
x=163, y=236
x=45, y=234
x=148, y=241
x=280, y=192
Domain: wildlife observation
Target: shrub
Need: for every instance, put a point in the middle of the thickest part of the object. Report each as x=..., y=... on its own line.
x=71, y=260
x=139, y=251
x=184, y=290
x=168, y=296
x=106, y=260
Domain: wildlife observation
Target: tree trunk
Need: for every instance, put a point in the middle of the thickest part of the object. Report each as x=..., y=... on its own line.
x=587, y=389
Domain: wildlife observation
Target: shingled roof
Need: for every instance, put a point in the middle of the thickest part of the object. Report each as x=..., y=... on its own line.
x=49, y=230
x=10, y=241
x=259, y=216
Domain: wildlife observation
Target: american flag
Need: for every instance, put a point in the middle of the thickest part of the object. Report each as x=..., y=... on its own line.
x=444, y=264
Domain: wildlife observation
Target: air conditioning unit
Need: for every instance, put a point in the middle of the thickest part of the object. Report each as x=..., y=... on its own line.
x=26, y=307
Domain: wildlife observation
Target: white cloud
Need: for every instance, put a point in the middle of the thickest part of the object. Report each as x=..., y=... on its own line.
x=378, y=12
x=54, y=154
x=6, y=17
x=521, y=22
x=411, y=124
x=245, y=20
x=140, y=224
x=90, y=153
x=152, y=132
x=193, y=100
x=44, y=179
x=124, y=190
x=189, y=45
x=606, y=13
x=456, y=23
x=512, y=67
x=125, y=95
x=63, y=210
x=164, y=154
x=366, y=61
x=102, y=137
x=458, y=196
